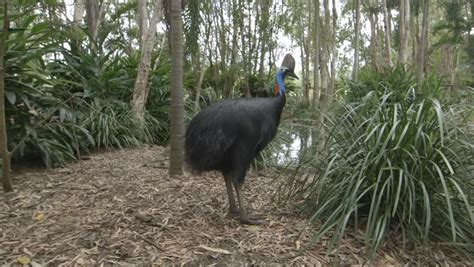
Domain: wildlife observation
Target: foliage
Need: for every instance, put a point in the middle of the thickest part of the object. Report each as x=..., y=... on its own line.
x=397, y=157
x=63, y=100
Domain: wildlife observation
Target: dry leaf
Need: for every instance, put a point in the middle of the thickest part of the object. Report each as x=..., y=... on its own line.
x=24, y=260
x=81, y=261
x=253, y=228
x=39, y=217
x=217, y=250
x=27, y=252
x=298, y=244
x=389, y=258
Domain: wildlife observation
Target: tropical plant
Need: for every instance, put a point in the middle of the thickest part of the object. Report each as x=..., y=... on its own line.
x=398, y=157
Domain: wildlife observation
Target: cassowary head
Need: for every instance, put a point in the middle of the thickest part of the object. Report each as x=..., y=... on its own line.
x=287, y=68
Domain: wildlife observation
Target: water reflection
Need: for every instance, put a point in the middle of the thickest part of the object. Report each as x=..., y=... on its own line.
x=291, y=145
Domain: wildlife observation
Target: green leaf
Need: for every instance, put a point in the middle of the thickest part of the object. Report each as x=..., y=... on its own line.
x=11, y=96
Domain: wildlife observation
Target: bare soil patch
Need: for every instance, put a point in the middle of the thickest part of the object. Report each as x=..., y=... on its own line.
x=121, y=207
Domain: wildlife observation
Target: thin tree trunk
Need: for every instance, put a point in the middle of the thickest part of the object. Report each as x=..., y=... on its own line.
x=142, y=19
x=404, y=31
x=325, y=53
x=317, y=49
x=307, y=50
x=102, y=10
x=6, y=156
x=334, y=50
x=254, y=41
x=222, y=44
x=265, y=6
x=199, y=88
x=452, y=78
x=92, y=13
x=373, y=18
x=177, y=92
x=423, y=48
x=235, y=29
x=78, y=12
x=355, y=69
x=325, y=94
x=415, y=36
x=157, y=63
x=387, y=39
x=140, y=90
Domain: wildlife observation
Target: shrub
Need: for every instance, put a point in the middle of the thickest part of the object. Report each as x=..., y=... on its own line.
x=397, y=156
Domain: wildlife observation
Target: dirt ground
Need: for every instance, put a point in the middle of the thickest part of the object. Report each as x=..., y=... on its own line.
x=121, y=207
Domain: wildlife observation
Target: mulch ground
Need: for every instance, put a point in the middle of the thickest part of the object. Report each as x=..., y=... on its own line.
x=121, y=207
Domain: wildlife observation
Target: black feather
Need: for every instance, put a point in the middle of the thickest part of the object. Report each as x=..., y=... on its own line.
x=228, y=134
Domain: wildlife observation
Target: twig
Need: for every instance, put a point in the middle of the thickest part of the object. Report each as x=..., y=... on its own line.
x=149, y=241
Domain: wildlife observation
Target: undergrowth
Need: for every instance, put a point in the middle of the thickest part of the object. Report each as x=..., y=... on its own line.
x=398, y=157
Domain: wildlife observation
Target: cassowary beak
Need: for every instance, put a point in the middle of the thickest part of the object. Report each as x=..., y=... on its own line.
x=289, y=64
x=292, y=74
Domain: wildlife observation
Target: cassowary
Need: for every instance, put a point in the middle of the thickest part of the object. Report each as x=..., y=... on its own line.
x=227, y=136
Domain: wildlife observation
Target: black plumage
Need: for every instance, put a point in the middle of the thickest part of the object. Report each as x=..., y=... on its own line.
x=227, y=136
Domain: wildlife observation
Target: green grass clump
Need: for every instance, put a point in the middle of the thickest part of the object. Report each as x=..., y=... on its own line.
x=397, y=157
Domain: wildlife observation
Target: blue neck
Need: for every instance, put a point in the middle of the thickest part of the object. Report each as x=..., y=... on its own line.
x=280, y=80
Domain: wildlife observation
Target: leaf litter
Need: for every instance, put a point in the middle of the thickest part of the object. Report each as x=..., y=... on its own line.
x=121, y=207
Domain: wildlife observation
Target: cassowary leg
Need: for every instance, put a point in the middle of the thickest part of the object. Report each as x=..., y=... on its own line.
x=244, y=218
x=228, y=184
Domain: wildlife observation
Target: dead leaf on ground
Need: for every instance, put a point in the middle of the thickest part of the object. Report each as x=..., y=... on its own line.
x=217, y=250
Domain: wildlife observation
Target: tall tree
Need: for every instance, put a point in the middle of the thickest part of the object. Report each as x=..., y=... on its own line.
x=333, y=50
x=404, y=29
x=177, y=92
x=317, y=49
x=423, y=44
x=387, y=34
x=264, y=31
x=326, y=30
x=141, y=89
x=6, y=180
x=78, y=12
x=372, y=16
x=92, y=17
x=355, y=68
x=142, y=20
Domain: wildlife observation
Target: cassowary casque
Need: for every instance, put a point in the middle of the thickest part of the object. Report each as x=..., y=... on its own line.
x=227, y=136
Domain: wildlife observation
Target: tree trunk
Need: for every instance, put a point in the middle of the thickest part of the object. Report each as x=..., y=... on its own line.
x=452, y=78
x=142, y=20
x=199, y=88
x=6, y=180
x=95, y=14
x=235, y=29
x=317, y=49
x=140, y=90
x=423, y=45
x=325, y=93
x=387, y=34
x=304, y=66
x=373, y=19
x=177, y=92
x=265, y=6
x=325, y=54
x=92, y=14
x=78, y=12
x=404, y=31
x=334, y=50
x=355, y=69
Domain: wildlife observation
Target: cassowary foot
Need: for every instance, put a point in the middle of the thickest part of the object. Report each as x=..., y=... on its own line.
x=250, y=221
x=234, y=211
